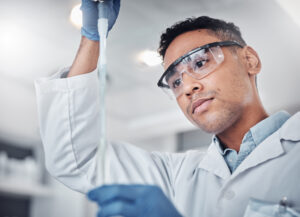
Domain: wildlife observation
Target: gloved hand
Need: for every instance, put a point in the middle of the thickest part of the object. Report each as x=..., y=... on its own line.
x=132, y=201
x=90, y=17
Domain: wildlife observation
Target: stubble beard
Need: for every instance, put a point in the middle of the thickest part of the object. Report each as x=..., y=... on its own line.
x=219, y=120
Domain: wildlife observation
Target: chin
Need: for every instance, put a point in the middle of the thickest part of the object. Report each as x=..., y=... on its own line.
x=215, y=122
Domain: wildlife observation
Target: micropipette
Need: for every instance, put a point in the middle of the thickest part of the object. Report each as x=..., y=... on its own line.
x=102, y=29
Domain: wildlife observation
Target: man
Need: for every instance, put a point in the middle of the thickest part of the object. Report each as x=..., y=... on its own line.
x=251, y=166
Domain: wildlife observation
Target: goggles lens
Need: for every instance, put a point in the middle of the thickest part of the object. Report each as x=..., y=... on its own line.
x=197, y=65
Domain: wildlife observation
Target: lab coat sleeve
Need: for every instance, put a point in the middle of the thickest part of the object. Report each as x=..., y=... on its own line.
x=68, y=110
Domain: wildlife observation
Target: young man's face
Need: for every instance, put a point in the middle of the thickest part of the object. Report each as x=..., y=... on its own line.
x=223, y=95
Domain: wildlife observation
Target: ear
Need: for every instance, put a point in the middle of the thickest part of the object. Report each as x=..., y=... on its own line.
x=252, y=61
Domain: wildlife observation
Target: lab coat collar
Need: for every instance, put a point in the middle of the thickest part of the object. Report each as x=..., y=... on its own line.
x=270, y=148
x=214, y=162
x=291, y=128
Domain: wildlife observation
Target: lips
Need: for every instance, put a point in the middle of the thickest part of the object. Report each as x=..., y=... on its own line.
x=200, y=102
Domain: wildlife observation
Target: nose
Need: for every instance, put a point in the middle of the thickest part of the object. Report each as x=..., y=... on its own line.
x=191, y=85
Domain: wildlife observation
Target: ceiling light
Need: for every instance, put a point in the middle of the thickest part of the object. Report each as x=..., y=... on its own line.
x=292, y=7
x=150, y=58
x=76, y=16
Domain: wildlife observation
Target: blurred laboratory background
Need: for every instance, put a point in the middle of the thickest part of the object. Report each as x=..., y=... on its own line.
x=37, y=38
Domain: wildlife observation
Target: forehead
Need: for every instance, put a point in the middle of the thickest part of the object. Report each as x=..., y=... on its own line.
x=186, y=42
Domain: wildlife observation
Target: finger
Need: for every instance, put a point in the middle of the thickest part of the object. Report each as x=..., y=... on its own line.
x=117, y=208
x=117, y=4
x=107, y=193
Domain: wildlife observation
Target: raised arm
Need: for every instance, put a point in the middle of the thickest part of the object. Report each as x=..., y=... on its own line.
x=88, y=53
x=69, y=119
x=68, y=108
x=86, y=58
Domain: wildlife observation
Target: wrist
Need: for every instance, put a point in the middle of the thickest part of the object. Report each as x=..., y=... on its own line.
x=91, y=36
x=86, y=58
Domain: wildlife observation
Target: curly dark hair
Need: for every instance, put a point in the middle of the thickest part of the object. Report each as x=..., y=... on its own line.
x=219, y=28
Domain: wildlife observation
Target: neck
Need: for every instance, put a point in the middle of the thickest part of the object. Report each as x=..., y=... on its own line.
x=232, y=137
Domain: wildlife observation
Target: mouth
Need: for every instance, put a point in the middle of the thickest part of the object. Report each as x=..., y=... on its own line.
x=201, y=105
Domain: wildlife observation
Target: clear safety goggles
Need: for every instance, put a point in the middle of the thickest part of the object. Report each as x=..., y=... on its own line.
x=197, y=63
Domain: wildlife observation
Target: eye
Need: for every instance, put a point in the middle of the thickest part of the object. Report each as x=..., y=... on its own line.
x=200, y=63
x=176, y=83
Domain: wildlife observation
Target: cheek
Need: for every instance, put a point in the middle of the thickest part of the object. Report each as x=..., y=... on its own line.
x=184, y=104
x=230, y=85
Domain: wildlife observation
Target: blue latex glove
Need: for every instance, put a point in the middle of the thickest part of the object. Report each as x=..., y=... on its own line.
x=90, y=17
x=132, y=201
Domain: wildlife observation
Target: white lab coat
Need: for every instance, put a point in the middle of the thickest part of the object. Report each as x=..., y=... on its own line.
x=199, y=184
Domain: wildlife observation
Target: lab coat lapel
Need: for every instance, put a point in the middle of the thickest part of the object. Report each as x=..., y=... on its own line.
x=214, y=162
x=271, y=147
x=267, y=150
x=291, y=129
